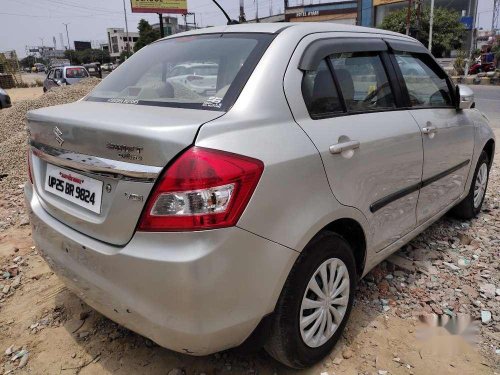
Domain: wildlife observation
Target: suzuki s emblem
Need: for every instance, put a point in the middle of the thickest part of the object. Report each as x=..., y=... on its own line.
x=58, y=134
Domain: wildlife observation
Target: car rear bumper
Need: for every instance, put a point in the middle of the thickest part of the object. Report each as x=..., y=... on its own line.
x=196, y=293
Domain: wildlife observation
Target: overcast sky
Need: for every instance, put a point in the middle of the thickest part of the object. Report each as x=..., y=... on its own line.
x=26, y=22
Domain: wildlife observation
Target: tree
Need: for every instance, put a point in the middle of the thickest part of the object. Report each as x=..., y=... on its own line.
x=87, y=56
x=448, y=33
x=147, y=35
x=124, y=55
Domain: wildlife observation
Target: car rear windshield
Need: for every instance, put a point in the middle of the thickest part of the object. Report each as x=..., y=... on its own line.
x=202, y=72
x=76, y=73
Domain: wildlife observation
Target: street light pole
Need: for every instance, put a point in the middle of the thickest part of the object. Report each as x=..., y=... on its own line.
x=431, y=24
x=126, y=27
x=408, y=18
x=67, y=34
x=471, y=49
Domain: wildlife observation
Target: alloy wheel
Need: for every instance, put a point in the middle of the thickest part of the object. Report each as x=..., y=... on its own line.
x=480, y=184
x=324, y=303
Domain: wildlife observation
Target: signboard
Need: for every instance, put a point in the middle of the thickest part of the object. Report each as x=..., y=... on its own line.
x=82, y=46
x=383, y=2
x=467, y=21
x=159, y=6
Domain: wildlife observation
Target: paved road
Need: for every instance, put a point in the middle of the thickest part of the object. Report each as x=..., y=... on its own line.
x=488, y=101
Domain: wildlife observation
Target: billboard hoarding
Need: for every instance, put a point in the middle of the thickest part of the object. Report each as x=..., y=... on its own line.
x=82, y=46
x=159, y=6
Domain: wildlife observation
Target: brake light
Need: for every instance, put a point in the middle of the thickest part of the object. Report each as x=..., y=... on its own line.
x=202, y=189
x=28, y=160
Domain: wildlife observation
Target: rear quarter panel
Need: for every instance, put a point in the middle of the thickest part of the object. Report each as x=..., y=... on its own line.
x=293, y=200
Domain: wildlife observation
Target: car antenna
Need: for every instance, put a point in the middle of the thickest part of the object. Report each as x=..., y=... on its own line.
x=229, y=20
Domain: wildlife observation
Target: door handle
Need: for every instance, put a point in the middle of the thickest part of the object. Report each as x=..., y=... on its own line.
x=430, y=129
x=344, y=146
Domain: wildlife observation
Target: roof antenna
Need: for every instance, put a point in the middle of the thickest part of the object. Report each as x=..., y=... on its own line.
x=229, y=20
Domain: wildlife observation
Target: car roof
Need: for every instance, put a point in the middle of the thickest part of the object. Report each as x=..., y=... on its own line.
x=304, y=28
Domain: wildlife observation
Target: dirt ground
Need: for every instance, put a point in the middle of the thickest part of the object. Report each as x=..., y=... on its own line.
x=46, y=329
x=78, y=340
x=17, y=95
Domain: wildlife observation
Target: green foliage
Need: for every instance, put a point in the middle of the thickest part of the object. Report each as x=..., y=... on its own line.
x=447, y=33
x=147, y=35
x=496, y=51
x=124, y=55
x=87, y=56
x=29, y=61
x=459, y=64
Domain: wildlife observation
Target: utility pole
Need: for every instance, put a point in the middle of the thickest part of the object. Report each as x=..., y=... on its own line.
x=471, y=49
x=67, y=34
x=242, y=18
x=408, y=18
x=431, y=24
x=162, y=32
x=126, y=28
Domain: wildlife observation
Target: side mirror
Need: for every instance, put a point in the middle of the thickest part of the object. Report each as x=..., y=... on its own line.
x=465, y=97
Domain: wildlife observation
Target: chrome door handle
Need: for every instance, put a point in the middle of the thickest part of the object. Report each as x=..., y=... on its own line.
x=344, y=146
x=429, y=129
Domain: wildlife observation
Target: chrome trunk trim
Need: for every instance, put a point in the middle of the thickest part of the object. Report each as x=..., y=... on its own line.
x=96, y=165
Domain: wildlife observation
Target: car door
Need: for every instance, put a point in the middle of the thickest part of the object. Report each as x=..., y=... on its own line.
x=370, y=147
x=49, y=80
x=448, y=134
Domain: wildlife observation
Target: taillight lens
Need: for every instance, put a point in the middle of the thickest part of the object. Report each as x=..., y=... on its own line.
x=202, y=189
x=28, y=160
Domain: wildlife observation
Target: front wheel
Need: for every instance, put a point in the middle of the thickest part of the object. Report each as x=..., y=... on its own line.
x=315, y=303
x=471, y=205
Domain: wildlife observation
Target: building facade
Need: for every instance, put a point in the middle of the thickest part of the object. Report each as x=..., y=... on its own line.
x=345, y=12
x=117, y=41
x=371, y=13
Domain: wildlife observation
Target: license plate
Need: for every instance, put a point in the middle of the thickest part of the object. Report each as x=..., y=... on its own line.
x=74, y=187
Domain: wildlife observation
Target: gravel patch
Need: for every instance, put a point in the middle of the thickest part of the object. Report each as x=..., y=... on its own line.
x=13, y=146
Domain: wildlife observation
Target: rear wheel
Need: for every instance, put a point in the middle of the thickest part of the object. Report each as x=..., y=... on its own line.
x=315, y=303
x=471, y=205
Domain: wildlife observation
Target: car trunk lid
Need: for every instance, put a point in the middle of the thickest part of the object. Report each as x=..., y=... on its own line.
x=115, y=151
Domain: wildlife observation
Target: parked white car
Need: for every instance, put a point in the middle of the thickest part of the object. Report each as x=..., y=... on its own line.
x=204, y=220
x=200, y=78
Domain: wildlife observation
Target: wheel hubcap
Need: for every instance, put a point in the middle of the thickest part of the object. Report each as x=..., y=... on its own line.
x=480, y=184
x=324, y=303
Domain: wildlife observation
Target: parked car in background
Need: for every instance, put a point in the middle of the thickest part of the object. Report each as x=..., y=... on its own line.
x=107, y=67
x=39, y=68
x=64, y=75
x=198, y=77
x=250, y=210
x=4, y=99
x=94, y=69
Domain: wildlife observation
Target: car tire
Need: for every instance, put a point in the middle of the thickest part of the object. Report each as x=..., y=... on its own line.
x=296, y=346
x=471, y=205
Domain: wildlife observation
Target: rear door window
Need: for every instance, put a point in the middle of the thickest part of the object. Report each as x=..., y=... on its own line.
x=319, y=91
x=363, y=81
x=426, y=84
x=76, y=73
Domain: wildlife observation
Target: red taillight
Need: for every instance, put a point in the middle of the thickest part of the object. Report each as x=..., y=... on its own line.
x=202, y=189
x=28, y=157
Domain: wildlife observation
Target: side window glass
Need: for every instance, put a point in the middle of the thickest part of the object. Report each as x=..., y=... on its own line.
x=51, y=74
x=320, y=94
x=426, y=87
x=363, y=81
x=58, y=74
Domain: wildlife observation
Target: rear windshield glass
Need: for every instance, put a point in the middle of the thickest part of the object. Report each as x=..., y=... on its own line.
x=201, y=72
x=76, y=73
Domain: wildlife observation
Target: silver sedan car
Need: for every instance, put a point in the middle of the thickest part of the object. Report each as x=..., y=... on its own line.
x=205, y=221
